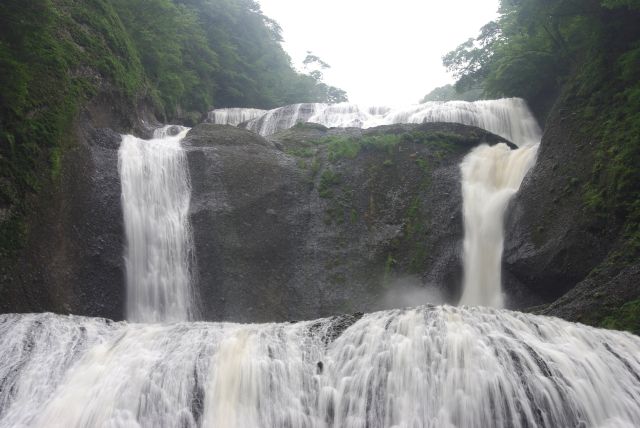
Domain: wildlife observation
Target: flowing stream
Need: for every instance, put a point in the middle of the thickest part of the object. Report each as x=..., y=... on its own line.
x=155, y=199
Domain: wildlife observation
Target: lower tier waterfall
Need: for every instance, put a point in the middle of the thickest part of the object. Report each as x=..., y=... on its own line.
x=425, y=367
x=159, y=247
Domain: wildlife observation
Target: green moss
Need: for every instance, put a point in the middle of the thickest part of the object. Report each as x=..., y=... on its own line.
x=53, y=55
x=415, y=229
x=607, y=105
x=315, y=167
x=57, y=55
x=388, y=269
x=345, y=147
x=56, y=162
x=302, y=152
x=328, y=180
x=353, y=216
x=626, y=318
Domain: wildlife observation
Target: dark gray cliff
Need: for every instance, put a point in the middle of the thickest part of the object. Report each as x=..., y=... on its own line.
x=580, y=260
x=72, y=260
x=551, y=244
x=308, y=223
x=316, y=221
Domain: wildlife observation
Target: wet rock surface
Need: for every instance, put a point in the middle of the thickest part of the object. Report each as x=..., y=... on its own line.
x=308, y=223
x=72, y=262
x=550, y=244
x=291, y=228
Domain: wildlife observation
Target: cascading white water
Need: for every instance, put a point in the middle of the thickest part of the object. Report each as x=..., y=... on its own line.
x=491, y=176
x=233, y=116
x=155, y=199
x=425, y=367
x=510, y=118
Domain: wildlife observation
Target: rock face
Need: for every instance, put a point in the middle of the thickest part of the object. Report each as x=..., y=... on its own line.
x=315, y=221
x=554, y=246
x=72, y=262
x=309, y=223
x=549, y=245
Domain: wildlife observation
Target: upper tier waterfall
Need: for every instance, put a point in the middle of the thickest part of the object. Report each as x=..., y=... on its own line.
x=510, y=117
x=233, y=116
x=159, y=247
x=425, y=367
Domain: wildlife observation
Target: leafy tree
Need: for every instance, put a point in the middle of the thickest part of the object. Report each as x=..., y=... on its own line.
x=186, y=55
x=450, y=93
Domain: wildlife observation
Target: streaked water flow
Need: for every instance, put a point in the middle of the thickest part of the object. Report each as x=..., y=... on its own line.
x=466, y=367
x=159, y=247
x=424, y=367
x=233, y=116
x=510, y=117
x=491, y=176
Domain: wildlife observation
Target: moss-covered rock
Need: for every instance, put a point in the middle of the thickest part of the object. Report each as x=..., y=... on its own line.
x=295, y=227
x=574, y=228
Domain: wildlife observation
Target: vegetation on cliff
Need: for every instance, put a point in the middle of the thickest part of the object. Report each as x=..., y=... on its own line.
x=452, y=93
x=180, y=56
x=584, y=56
x=535, y=47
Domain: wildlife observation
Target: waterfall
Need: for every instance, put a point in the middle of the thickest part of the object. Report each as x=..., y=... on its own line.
x=233, y=116
x=510, y=118
x=423, y=367
x=490, y=177
x=159, y=247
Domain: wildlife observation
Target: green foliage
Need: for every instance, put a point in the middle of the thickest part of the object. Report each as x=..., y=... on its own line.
x=613, y=4
x=591, y=50
x=186, y=55
x=469, y=62
x=328, y=180
x=534, y=46
x=303, y=152
x=415, y=229
x=173, y=49
x=388, y=270
x=451, y=93
x=609, y=108
x=53, y=55
x=345, y=147
x=626, y=318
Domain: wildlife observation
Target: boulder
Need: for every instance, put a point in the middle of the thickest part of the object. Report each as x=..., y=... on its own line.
x=298, y=227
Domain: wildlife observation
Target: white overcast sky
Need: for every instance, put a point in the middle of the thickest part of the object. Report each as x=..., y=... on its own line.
x=380, y=52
